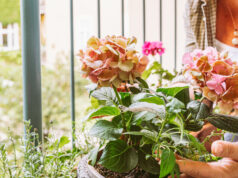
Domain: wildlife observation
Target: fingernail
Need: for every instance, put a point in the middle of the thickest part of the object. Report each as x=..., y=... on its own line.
x=217, y=148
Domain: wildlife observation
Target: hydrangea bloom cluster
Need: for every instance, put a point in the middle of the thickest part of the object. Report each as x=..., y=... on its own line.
x=112, y=60
x=215, y=74
x=153, y=48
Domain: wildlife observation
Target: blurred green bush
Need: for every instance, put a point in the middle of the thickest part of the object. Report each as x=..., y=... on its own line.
x=55, y=96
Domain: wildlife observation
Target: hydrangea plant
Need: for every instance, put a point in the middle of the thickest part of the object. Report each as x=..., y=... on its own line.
x=144, y=128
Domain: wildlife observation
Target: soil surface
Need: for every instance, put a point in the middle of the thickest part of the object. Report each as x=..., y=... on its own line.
x=134, y=173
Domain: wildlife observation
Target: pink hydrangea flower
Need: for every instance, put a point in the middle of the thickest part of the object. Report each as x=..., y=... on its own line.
x=211, y=53
x=112, y=60
x=153, y=48
x=188, y=61
x=217, y=83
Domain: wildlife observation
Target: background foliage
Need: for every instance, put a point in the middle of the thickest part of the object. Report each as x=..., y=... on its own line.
x=9, y=11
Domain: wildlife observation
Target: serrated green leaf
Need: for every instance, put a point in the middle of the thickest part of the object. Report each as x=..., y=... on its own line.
x=142, y=83
x=146, y=133
x=199, y=110
x=149, y=165
x=153, y=99
x=106, y=130
x=125, y=98
x=93, y=156
x=105, y=111
x=105, y=94
x=183, y=96
x=175, y=106
x=171, y=91
x=119, y=157
x=159, y=110
x=167, y=162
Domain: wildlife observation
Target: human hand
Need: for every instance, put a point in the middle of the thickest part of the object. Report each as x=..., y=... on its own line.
x=224, y=168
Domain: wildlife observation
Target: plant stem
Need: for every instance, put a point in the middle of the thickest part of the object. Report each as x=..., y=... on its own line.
x=117, y=95
x=161, y=129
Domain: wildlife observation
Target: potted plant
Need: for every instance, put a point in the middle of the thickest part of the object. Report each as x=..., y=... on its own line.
x=142, y=130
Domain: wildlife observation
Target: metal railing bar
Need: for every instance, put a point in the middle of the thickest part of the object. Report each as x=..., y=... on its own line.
x=99, y=19
x=161, y=25
x=175, y=35
x=72, y=81
x=32, y=107
x=122, y=18
x=144, y=21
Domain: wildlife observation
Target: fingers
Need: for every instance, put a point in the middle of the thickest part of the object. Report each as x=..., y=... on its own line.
x=197, y=169
x=225, y=149
x=181, y=176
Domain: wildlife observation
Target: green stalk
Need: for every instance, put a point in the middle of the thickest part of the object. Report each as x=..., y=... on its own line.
x=161, y=129
x=120, y=102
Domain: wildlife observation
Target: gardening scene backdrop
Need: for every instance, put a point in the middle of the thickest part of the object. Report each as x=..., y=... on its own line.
x=55, y=52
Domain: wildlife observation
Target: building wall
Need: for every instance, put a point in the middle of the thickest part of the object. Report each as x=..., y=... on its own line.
x=85, y=25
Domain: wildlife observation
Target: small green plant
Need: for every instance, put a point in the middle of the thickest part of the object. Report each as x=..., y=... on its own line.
x=51, y=160
x=140, y=126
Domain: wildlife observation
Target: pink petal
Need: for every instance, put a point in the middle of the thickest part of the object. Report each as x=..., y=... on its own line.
x=219, y=90
x=211, y=84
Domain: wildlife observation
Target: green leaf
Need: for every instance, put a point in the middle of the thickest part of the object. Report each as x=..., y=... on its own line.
x=143, y=116
x=105, y=111
x=119, y=157
x=172, y=91
x=194, y=142
x=134, y=90
x=199, y=110
x=106, y=130
x=93, y=155
x=154, y=67
x=149, y=165
x=183, y=96
x=224, y=122
x=167, y=162
x=142, y=83
x=125, y=98
x=159, y=110
x=140, y=96
x=105, y=94
x=63, y=141
x=90, y=88
x=146, y=133
x=194, y=126
x=175, y=106
x=154, y=99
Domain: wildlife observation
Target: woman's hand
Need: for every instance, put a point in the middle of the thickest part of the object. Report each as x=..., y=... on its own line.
x=224, y=168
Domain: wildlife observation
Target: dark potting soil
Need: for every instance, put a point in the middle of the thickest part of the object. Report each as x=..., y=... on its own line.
x=134, y=173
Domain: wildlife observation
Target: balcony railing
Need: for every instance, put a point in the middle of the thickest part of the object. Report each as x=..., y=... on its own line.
x=169, y=20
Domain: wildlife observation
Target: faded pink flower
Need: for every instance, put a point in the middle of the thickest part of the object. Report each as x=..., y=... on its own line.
x=153, y=48
x=211, y=53
x=112, y=60
x=217, y=83
x=197, y=53
x=188, y=61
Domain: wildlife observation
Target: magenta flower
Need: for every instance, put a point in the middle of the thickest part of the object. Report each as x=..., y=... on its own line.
x=217, y=83
x=153, y=48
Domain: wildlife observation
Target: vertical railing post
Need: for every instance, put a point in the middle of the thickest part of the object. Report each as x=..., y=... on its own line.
x=30, y=20
x=144, y=21
x=72, y=71
x=122, y=18
x=99, y=18
x=161, y=25
x=175, y=35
